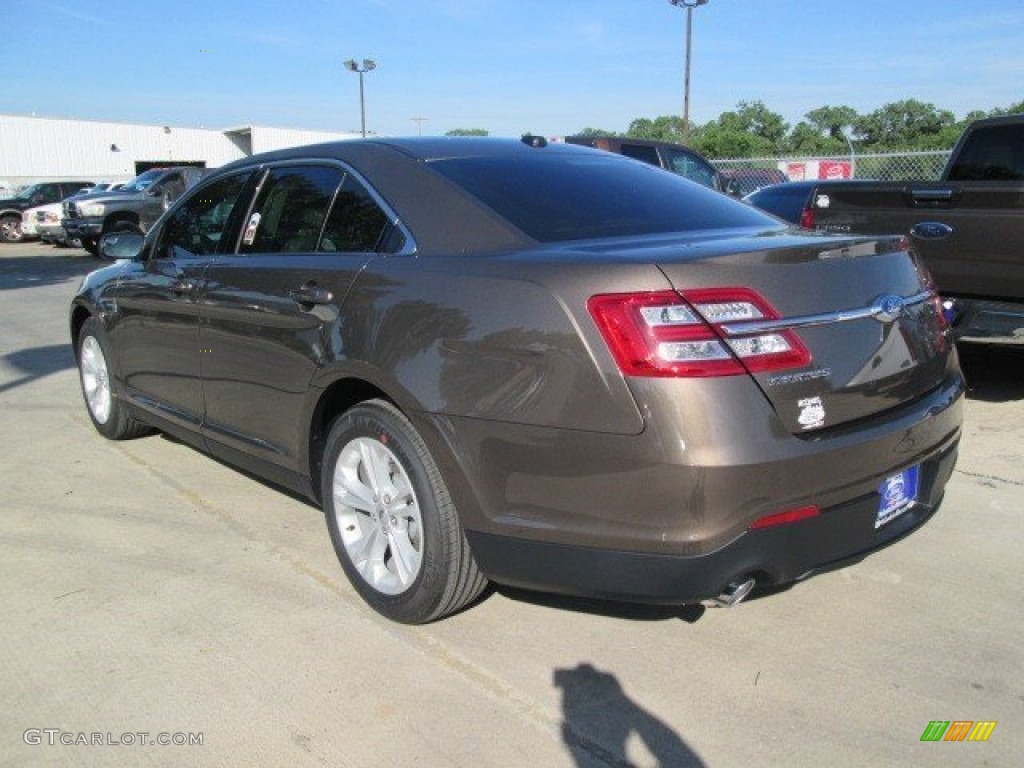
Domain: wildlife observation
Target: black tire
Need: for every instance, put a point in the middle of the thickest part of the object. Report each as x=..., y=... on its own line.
x=123, y=226
x=92, y=245
x=108, y=414
x=447, y=578
x=10, y=229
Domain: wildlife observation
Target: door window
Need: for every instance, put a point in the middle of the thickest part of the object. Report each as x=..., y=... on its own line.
x=291, y=209
x=691, y=167
x=196, y=227
x=357, y=223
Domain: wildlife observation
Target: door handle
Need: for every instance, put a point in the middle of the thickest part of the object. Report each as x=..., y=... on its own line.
x=311, y=294
x=183, y=285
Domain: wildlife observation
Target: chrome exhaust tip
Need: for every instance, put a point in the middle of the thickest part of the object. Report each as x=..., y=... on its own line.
x=732, y=595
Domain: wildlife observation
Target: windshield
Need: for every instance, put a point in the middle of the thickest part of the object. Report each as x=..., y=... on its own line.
x=27, y=192
x=143, y=180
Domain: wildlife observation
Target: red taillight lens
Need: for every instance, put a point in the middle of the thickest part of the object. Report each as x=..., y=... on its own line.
x=784, y=518
x=807, y=218
x=667, y=334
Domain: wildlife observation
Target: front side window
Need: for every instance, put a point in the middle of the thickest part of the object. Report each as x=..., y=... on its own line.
x=291, y=209
x=196, y=227
x=690, y=167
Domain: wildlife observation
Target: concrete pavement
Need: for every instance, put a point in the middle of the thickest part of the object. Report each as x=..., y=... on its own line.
x=148, y=589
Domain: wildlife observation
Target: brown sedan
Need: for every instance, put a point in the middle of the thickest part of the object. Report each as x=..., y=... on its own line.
x=545, y=366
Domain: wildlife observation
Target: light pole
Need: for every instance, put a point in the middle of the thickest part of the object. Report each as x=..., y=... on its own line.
x=368, y=64
x=419, y=123
x=689, y=5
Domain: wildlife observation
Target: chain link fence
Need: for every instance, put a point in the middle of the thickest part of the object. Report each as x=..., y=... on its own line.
x=889, y=166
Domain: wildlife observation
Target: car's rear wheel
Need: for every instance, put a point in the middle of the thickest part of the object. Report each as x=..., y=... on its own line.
x=108, y=413
x=10, y=229
x=392, y=522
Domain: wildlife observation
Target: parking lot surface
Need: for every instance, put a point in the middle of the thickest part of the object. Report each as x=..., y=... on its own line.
x=155, y=599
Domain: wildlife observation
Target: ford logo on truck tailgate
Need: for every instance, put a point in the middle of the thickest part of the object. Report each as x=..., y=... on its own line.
x=931, y=230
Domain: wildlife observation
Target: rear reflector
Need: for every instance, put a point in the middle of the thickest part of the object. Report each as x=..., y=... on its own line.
x=664, y=333
x=785, y=518
x=807, y=218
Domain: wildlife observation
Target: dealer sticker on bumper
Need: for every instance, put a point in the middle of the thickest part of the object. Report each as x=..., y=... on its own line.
x=897, y=494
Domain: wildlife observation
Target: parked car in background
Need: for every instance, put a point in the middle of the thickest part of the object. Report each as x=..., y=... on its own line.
x=740, y=182
x=539, y=364
x=45, y=192
x=790, y=201
x=133, y=208
x=672, y=157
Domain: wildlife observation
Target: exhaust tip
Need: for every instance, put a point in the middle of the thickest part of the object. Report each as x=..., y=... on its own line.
x=732, y=595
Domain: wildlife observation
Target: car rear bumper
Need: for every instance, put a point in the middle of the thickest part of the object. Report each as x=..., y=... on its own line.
x=839, y=536
x=986, y=322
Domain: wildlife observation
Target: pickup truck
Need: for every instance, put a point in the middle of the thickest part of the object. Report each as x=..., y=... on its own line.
x=968, y=227
x=133, y=208
x=11, y=209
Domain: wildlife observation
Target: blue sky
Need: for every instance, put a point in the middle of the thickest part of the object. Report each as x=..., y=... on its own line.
x=509, y=66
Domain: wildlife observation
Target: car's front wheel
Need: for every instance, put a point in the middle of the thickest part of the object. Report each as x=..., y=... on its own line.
x=392, y=522
x=10, y=229
x=109, y=415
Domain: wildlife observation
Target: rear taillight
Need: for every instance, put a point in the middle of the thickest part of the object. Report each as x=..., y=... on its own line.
x=807, y=218
x=665, y=333
x=785, y=518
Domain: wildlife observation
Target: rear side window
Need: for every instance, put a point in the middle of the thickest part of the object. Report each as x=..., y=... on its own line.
x=784, y=201
x=290, y=211
x=196, y=227
x=356, y=222
x=992, y=153
x=568, y=196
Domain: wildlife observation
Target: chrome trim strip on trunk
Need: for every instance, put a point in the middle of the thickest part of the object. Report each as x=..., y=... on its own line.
x=876, y=310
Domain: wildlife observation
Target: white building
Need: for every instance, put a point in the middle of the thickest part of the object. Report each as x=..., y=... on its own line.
x=51, y=149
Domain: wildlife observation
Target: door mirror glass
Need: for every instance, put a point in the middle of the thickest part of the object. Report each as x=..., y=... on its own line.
x=121, y=245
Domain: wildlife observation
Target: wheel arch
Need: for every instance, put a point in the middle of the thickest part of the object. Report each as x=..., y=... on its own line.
x=118, y=217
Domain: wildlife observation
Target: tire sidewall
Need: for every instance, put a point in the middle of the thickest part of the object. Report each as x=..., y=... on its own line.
x=375, y=421
x=112, y=427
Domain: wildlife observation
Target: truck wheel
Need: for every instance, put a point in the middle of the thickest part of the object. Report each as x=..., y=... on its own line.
x=10, y=229
x=92, y=245
x=123, y=226
x=392, y=522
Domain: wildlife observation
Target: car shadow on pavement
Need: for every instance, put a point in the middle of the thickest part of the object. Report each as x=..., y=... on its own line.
x=18, y=272
x=994, y=374
x=599, y=721
x=608, y=608
x=33, y=364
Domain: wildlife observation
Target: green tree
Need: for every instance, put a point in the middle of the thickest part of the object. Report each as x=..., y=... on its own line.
x=468, y=132
x=907, y=124
x=588, y=131
x=664, y=128
x=750, y=130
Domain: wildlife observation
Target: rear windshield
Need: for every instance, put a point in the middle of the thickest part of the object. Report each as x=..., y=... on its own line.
x=561, y=196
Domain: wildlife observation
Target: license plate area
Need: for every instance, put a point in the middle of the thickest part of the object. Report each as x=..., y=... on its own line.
x=897, y=494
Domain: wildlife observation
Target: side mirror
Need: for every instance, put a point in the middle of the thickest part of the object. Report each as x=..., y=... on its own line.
x=121, y=245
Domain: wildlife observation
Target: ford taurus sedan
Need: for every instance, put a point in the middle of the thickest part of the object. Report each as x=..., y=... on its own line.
x=540, y=365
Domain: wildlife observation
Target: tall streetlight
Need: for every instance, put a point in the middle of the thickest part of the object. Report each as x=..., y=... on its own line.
x=419, y=123
x=689, y=5
x=368, y=64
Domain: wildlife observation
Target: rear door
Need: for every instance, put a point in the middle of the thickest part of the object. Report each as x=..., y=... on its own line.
x=271, y=310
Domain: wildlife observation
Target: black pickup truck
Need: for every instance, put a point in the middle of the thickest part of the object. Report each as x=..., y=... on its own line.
x=968, y=227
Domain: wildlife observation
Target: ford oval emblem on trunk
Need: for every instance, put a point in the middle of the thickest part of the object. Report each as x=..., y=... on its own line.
x=931, y=230
x=888, y=309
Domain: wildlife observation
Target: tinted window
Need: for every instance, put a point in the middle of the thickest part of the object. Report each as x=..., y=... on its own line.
x=563, y=196
x=640, y=152
x=195, y=228
x=356, y=221
x=994, y=153
x=291, y=209
x=691, y=167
